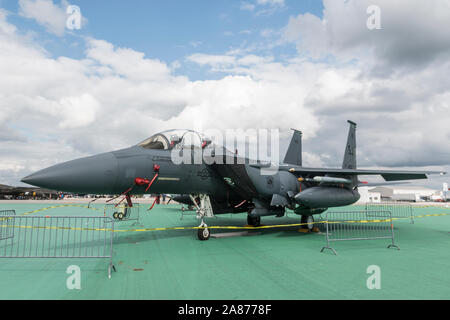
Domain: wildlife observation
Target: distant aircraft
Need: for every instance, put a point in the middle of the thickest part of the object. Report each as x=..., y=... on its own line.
x=232, y=185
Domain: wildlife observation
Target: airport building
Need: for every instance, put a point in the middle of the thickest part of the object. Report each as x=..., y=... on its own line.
x=403, y=193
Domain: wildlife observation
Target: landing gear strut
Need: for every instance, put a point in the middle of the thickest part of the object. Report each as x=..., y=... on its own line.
x=253, y=221
x=204, y=209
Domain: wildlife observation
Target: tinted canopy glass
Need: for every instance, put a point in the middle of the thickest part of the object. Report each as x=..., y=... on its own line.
x=179, y=138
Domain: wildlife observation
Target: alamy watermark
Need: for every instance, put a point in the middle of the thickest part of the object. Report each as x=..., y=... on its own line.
x=73, y=21
x=374, y=280
x=74, y=280
x=374, y=19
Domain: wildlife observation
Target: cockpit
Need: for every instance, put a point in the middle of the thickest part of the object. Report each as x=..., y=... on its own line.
x=170, y=139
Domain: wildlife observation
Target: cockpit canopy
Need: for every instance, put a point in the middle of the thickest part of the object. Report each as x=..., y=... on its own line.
x=180, y=138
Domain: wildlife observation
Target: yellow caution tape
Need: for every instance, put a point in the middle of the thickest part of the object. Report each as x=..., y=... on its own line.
x=209, y=227
x=92, y=208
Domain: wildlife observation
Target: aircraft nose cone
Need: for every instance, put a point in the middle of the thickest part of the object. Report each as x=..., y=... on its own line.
x=96, y=175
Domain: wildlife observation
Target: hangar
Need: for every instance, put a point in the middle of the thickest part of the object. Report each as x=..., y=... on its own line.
x=10, y=192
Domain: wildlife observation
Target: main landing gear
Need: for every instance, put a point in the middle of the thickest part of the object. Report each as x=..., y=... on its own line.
x=253, y=221
x=307, y=223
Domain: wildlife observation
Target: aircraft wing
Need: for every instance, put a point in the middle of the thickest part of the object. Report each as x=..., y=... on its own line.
x=388, y=175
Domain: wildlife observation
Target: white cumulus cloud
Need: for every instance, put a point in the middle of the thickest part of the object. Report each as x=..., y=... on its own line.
x=54, y=109
x=51, y=16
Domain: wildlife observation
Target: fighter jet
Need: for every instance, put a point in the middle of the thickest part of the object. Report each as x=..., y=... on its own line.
x=234, y=184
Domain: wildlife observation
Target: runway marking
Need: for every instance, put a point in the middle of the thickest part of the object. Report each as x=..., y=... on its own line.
x=59, y=206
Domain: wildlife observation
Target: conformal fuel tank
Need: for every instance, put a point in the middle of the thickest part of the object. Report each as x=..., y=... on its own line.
x=325, y=197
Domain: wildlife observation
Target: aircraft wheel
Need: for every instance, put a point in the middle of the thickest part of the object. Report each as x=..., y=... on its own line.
x=254, y=221
x=203, y=234
x=310, y=222
x=120, y=216
x=115, y=215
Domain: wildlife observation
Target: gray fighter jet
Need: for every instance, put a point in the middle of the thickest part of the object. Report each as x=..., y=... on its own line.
x=232, y=185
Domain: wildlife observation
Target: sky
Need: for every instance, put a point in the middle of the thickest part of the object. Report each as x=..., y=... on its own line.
x=134, y=68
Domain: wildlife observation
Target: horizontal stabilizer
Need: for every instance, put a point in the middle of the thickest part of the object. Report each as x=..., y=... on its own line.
x=397, y=177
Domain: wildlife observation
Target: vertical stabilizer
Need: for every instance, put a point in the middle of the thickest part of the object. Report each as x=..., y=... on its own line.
x=350, y=148
x=294, y=152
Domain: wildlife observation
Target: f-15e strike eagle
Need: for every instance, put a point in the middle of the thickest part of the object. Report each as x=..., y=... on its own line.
x=232, y=185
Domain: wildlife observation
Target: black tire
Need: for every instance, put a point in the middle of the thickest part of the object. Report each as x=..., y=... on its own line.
x=120, y=216
x=203, y=234
x=115, y=215
x=309, y=220
x=253, y=221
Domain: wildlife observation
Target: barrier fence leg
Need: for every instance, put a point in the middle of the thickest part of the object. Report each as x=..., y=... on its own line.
x=392, y=245
x=111, y=267
x=330, y=248
x=328, y=240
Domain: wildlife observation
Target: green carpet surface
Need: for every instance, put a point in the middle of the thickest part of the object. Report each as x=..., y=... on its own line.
x=279, y=263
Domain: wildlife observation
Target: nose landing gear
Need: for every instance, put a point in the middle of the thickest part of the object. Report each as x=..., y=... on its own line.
x=204, y=233
x=204, y=210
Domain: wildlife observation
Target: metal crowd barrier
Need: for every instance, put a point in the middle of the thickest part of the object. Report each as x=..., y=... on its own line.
x=358, y=225
x=122, y=212
x=6, y=232
x=398, y=209
x=57, y=237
